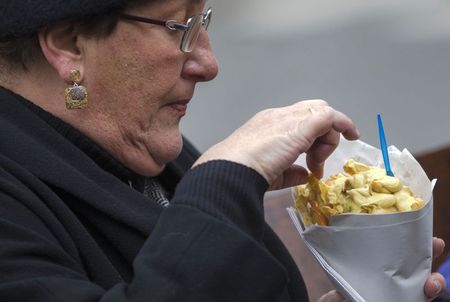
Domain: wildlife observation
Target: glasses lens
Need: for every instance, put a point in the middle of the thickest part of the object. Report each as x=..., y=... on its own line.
x=191, y=35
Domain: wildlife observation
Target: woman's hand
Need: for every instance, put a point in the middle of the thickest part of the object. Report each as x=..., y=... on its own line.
x=434, y=285
x=332, y=296
x=272, y=140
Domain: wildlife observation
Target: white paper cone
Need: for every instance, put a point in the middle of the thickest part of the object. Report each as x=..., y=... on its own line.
x=376, y=258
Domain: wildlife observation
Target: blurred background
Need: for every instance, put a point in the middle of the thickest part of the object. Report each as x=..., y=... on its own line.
x=363, y=57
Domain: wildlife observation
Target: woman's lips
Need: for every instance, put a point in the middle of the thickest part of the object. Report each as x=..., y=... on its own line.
x=179, y=107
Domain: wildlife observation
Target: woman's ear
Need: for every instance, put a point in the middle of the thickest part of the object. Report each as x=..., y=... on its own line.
x=60, y=45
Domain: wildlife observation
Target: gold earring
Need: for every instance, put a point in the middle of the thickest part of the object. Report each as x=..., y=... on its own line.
x=76, y=96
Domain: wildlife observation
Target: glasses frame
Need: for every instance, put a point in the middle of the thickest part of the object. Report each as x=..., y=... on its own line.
x=188, y=40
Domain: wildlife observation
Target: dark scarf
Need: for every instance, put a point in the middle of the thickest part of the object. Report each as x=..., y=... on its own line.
x=151, y=187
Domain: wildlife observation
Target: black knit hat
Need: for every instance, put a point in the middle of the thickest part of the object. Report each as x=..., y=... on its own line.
x=24, y=17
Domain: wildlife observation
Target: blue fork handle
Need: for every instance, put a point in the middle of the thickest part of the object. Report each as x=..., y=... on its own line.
x=384, y=148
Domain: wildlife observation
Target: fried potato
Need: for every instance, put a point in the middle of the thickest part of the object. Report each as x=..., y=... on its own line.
x=360, y=189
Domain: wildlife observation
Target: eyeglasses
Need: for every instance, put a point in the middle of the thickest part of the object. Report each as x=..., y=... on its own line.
x=191, y=30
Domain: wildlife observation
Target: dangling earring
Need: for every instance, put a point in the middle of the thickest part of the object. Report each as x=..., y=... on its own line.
x=76, y=96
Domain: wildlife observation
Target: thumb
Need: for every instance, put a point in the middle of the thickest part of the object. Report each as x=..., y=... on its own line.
x=332, y=296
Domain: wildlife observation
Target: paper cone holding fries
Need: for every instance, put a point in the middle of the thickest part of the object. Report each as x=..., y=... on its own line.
x=375, y=257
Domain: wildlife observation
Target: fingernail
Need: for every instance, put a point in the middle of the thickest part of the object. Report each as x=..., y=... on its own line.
x=440, y=240
x=436, y=287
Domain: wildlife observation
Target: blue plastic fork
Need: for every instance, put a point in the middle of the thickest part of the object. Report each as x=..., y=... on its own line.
x=384, y=148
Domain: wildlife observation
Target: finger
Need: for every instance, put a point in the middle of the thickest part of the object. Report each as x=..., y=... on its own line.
x=327, y=124
x=438, y=247
x=315, y=168
x=322, y=120
x=338, y=121
x=434, y=285
x=320, y=151
x=293, y=176
x=332, y=296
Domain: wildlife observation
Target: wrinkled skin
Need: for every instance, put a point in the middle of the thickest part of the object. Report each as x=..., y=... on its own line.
x=139, y=83
x=272, y=140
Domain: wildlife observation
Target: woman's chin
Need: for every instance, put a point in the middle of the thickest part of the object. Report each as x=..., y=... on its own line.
x=153, y=160
x=148, y=170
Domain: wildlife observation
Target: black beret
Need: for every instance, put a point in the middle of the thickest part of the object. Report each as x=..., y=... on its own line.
x=24, y=17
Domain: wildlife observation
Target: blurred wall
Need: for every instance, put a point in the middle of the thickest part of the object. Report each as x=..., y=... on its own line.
x=363, y=57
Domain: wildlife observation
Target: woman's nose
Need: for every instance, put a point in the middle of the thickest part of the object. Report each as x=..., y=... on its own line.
x=201, y=65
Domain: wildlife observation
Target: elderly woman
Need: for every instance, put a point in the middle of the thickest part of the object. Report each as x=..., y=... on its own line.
x=101, y=198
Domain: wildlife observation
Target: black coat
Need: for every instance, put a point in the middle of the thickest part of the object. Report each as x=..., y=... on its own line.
x=72, y=229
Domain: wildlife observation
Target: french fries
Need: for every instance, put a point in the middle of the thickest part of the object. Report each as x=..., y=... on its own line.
x=359, y=189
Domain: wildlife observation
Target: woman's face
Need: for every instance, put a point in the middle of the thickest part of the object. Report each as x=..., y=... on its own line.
x=140, y=84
